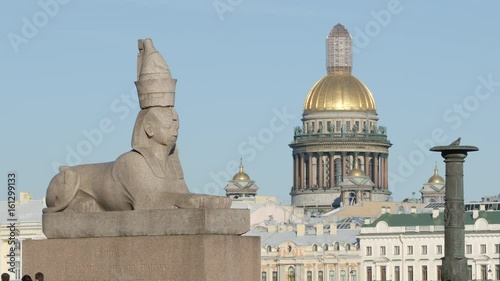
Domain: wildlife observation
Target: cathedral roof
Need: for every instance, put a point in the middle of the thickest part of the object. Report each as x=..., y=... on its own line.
x=241, y=175
x=436, y=178
x=339, y=91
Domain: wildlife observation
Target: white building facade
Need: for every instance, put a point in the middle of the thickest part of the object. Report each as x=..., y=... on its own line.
x=409, y=247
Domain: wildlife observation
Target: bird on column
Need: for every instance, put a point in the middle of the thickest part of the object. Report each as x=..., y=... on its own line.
x=456, y=142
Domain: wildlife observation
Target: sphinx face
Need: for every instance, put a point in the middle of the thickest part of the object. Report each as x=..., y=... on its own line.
x=165, y=126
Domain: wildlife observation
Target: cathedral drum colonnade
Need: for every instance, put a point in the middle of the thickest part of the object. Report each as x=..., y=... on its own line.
x=340, y=154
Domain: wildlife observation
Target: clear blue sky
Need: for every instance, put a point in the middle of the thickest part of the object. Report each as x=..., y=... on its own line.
x=66, y=68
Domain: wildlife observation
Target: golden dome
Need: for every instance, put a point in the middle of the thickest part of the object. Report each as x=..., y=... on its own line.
x=356, y=173
x=339, y=91
x=241, y=176
x=436, y=178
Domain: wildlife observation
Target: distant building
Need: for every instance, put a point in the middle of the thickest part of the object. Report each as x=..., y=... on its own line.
x=434, y=190
x=340, y=153
x=28, y=225
x=241, y=188
x=310, y=251
x=409, y=247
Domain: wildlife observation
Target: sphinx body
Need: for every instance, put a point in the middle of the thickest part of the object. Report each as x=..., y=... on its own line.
x=148, y=177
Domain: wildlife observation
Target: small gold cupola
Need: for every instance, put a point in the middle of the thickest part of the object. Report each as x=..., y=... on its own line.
x=436, y=178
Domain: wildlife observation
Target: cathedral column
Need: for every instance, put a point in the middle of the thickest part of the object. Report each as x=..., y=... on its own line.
x=381, y=168
x=310, y=171
x=367, y=164
x=375, y=169
x=384, y=171
x=320, y=170
x=295, y=171
x=344, y=170
x=332, y=169
x=301, y=171
x=387, y=171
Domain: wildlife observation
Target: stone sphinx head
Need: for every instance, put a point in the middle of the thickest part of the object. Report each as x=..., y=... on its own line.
x=156, y=126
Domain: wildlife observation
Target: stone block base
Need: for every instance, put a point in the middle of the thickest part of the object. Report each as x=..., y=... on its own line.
x=146, y=223
x=145, y=258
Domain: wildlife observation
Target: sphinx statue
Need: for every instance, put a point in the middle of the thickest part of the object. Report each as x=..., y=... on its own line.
x=147, y=177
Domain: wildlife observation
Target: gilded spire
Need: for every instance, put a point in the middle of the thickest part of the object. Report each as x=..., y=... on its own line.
x=338, y=51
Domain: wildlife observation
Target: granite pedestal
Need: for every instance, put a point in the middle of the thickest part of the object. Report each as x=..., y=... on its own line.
x=192, y=252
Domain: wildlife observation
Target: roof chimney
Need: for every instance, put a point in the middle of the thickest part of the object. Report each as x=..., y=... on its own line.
x=333, y=229
x=435, y=213
x=482, y=207
x=413, y=210
x=301, y=229
x=388, y=209
x=319, y=229
x=475, y=214
x=382, y=210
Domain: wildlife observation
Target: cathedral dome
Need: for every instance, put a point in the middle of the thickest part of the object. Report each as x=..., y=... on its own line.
x=241, y=175
x=436, y=178
x=339, y=91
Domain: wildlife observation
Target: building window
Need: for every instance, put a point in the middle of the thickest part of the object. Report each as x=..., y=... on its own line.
x=291, y=274
x=424, y=250
x=439, y=249
x=309, y=276
x=315, y=248
x=424, y=272
x=497, y=272
x=397, y=251
x=331, y=275
x=269, y=249
x=368, y=251
x=438, y=270
x=483, y=248
x=275, y=275
x=348, y=247
x=325, y=247
x=410, y=273
x=342, y=275
x=397, y=274
x=354, y=275
x=469, y=269
x=382, y=250
x=369, y=273
x=484, y=272
x=336, y=246
x=410, y=250
x=497, y=249
x=468, y=249
x=383, y=273
x=320, y=275
x=264, y=276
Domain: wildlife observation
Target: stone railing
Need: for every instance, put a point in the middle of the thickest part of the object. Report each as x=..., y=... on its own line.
x=353, y=137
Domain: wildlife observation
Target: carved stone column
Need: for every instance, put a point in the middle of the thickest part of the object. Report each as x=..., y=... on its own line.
x=386, y=171
x=320, y=170
x=310, y=171
x=375, y=170
x=295, y=171
x=454, y=265
x=382, y=171
x=344, y=170
x=301, y=169
x=332, y=169
x=366, y=166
